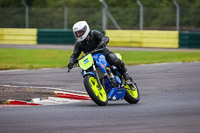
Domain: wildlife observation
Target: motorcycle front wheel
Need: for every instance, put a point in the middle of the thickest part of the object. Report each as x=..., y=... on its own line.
x=99, y=96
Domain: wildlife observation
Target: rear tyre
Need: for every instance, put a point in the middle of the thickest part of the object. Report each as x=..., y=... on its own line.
x=132, y=95
x=99, y=96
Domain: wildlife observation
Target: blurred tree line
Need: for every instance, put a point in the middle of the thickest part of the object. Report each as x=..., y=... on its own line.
x=158, y=14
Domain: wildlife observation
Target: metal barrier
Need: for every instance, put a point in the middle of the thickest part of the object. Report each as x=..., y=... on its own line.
x=18, y=36
x=189, y=39
x=55, y=36
x=128, y=38
x=142, y=38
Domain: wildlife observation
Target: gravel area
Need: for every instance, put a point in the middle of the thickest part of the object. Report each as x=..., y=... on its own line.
x=22, y=93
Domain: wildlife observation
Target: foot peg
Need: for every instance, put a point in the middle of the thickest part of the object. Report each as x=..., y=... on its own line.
x=129, y=83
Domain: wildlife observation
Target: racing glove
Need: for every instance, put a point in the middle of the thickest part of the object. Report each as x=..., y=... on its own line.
x=101, y=45
x=70, y=65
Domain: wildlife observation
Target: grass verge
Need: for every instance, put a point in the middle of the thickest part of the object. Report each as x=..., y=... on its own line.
x=11, y=58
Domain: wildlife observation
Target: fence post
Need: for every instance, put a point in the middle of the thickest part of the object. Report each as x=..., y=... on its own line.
x=141, y=14
x=104, y=19
x=65, y=14
x=65, y=17
x=26, y=13
x=105, y=13
x=177, y=15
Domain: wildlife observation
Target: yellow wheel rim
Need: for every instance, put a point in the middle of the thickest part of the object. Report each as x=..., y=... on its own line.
x=98, y=92
x=133, y=93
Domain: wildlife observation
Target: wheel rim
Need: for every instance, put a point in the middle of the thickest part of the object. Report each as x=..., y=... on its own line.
x=98, y=92
x=133, y=93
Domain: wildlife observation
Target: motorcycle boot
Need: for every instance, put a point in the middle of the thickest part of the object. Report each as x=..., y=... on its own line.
x=113, y=60
x=126, y=76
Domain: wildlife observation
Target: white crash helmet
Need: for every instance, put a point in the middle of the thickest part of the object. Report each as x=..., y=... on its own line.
x=81, y=30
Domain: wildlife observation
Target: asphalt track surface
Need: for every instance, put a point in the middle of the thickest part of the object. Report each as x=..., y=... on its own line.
x=170, y=103
x=71, y=47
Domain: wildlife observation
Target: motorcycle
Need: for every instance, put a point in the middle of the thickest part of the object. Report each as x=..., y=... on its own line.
x=103, y=81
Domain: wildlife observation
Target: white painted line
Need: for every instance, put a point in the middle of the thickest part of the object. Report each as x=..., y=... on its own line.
x=47, y=68
x=63, y=99
x=54, y=101
x=166, y=63
x=160, y=64
x=16, y=70
x=64, y=92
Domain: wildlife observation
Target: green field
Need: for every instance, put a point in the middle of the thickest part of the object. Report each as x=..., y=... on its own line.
x=11, y=58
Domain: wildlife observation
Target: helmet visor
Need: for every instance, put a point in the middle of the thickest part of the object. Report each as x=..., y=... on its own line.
x=81, y=32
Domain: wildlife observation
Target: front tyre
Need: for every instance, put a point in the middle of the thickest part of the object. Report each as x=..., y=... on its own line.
x=132, y=94
x=98, y=95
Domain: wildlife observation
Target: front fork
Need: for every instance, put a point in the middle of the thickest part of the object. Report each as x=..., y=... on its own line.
x=97, y=76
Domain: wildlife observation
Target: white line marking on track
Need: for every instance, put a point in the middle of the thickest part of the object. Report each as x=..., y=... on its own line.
x=54, y=101
x=166, y=63
x=159, y=64
x=16, y=70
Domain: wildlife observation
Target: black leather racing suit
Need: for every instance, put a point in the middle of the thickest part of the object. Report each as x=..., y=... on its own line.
x=97, y=40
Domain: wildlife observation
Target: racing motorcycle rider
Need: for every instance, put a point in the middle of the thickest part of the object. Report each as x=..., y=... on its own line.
x=88, y=40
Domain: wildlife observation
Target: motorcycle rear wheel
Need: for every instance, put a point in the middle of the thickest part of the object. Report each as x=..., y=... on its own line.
x=99, y=96
x=132, y=95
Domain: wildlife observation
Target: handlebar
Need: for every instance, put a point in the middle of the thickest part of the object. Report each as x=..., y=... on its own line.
x=96, y=50
x=74, y=65
x=76, y=60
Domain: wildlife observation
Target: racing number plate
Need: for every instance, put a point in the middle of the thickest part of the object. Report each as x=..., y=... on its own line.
x=86, y=62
